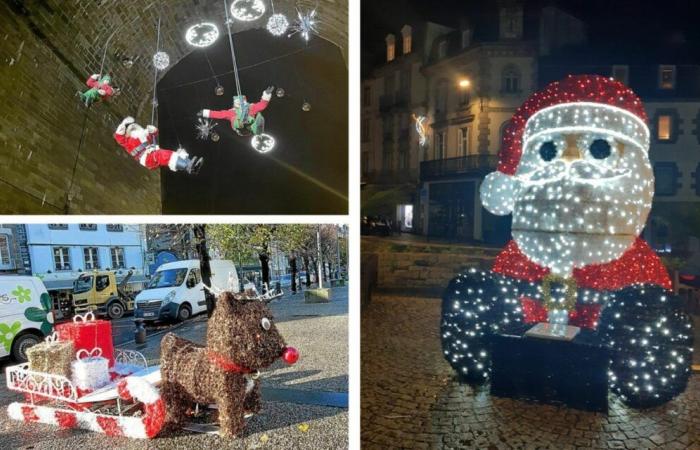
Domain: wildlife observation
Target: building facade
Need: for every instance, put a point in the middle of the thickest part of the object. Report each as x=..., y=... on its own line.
x=14, y=255
x=61, y=252
x=433, y=117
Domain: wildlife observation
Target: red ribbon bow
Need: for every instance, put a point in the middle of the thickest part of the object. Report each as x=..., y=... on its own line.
x=584, y=316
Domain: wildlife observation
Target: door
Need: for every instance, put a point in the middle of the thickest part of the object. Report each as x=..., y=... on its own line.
x=104, y=289
x=193, y=292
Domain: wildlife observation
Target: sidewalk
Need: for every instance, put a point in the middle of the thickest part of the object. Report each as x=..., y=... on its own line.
x=293, y=396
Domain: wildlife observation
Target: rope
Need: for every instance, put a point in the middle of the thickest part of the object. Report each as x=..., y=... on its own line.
x=155, y=76
x=233, y=52
x=75, y=164
x=272, y=4
x=104, y=55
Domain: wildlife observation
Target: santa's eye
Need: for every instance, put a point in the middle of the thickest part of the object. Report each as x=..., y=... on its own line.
x=600, y=149
x=548, y=151
x=265, y=322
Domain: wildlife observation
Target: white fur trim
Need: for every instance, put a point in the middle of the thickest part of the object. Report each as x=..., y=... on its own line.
x=498, y=193
x=142, y=390
x=205, y=113
x=266, y=97
x=172, y=163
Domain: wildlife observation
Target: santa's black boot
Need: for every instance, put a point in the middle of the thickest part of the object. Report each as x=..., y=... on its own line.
x=189, y=165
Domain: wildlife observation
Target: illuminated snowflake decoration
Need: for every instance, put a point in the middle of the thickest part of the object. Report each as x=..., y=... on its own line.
x=161, y=60
x=247, y=10
x=280, y=92
x=205, y=129
x=202, y=34
x=305, y=25
x=262, y=143
x=277, y=24
x=420, y=129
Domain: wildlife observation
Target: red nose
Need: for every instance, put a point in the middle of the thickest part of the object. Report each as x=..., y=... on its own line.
x=290, y=355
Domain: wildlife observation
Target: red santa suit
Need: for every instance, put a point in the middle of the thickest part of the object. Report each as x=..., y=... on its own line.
x=140, y=143
x=107, y=90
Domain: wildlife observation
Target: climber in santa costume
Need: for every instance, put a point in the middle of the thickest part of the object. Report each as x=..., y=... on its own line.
x=574, y=172
x=140, y=143
x=245, y=117
x=100, y=90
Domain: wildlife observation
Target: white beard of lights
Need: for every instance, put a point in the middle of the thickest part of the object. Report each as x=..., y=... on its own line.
x=575, y=209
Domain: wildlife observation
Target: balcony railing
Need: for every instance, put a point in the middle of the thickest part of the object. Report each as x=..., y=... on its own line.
x=398, y=176
x=477, y=165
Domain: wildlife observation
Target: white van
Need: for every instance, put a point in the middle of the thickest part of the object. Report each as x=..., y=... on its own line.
x=25, y=314
x=176, y=290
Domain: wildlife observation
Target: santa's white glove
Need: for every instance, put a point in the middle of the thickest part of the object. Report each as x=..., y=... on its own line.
x=121, y=129
x=101, y=91
x=95, y=77
x=151, y=129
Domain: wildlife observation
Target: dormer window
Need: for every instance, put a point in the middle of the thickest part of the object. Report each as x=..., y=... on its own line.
x=667, y=77
x=442, y=49
x=511, y=22
x=406, y=35
x=390, y=48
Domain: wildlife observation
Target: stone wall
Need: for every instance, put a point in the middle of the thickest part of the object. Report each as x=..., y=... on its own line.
x=425, y=270
x=47, y=49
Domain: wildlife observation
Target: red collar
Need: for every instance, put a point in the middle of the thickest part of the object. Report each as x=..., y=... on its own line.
x=226, y=364
x=639, y=264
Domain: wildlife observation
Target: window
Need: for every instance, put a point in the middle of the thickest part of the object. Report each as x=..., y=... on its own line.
x=366, y=96
x=193, y=278
x=61, y=258
x=441, y=97
x=403, y=159
x=390, y=48
x=58, y=226
x=667, y=77
x=666, y=179
x=387, y=161
x=4, y=249
x=442, y=49
x=102, y=282
x=365, y=130
x=117, y=258
x=406, y=36
x=511, y=80
x=92, y=260
x=115, y=227
x=365, y=163
x=466, y=38
x=440, y=145
x=663, y=126
x=88, y=227
x=463, y=139
x=620, y=73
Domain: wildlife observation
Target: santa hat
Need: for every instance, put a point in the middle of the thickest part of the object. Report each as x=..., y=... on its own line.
x=583, y=103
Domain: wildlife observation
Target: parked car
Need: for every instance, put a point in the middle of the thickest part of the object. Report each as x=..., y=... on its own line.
x=176, y=290
x=25, y=315
x=377, y=226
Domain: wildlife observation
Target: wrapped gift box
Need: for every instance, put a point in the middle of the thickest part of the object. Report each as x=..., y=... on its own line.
x=52, y=357
x=86, y=333
x=90, y=370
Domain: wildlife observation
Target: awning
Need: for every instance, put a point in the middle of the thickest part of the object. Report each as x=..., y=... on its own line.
x=382, y=200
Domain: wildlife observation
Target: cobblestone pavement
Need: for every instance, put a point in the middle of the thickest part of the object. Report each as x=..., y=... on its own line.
x=410, y=398
x=319, y=331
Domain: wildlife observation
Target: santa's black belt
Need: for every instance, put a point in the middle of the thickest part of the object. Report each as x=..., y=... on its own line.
x=138, y=151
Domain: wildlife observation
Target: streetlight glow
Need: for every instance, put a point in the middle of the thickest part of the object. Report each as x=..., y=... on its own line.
x=464, y=83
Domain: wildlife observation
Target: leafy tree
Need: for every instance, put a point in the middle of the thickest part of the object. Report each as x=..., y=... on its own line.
x=292, y=239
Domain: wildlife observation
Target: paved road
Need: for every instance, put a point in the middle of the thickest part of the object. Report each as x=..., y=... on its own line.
x=319, y=331
x=410, y=398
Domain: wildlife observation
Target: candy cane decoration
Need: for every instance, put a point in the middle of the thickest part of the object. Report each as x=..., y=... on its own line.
x=144, y=427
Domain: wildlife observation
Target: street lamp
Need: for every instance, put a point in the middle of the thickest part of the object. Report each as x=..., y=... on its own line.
x=464, y=83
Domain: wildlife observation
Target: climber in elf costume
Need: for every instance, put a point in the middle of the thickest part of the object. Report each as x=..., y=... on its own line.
x=100, y=89
x=574, y=171
x=141, y=144
x=245, y=117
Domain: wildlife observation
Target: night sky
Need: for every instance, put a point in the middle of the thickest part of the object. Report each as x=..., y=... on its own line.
x=668, y=27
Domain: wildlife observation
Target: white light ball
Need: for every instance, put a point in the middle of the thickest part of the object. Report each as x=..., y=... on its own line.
x=247, y=10
x=161, y=60
x=202, y=34
x=263, y=143
x=498, y=193
x=277, y=24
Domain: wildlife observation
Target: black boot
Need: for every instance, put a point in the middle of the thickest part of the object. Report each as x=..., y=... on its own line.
x=194, y=165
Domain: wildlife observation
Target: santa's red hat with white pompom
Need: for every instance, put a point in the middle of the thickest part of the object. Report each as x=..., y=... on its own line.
x=498, y=187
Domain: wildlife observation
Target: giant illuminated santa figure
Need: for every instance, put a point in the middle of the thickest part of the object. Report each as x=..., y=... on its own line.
x=574, y=171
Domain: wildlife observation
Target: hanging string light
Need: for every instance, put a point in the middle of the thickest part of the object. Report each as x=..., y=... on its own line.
x=202, y=34
x=277, y=24
x=247, y=10
x=305, y=25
